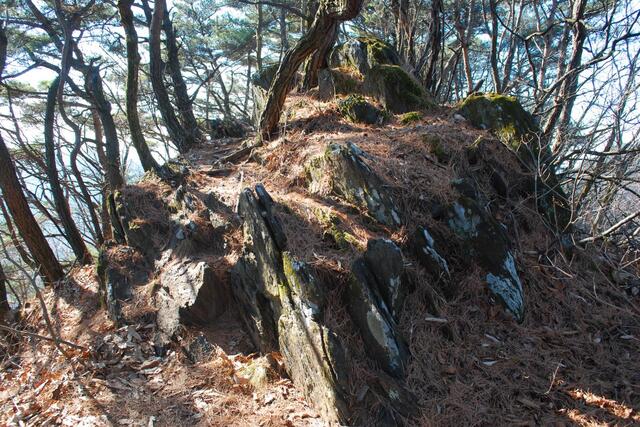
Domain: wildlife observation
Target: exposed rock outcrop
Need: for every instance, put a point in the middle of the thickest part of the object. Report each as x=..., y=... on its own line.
x=342, y=172
x=427, y=253
x=358, y=110
x=283, y=303
x=490, y=248
x=517, y=129
x=396, y=89
x=364, y=53
x=375, y=287
x=189, y=294
x=380, y=75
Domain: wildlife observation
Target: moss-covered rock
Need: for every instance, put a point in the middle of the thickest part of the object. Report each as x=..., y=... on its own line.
x=517, y=129
x=342, y=172
x=347, y=80
x=331, y=225
x=502, y=114
x=282, y=304
x=396, y=89
x=364, y=53
x=359, y=110
x=410, y=117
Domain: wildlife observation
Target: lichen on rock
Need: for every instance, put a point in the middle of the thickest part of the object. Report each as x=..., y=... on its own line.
x=490, y=248
x=373, y=318
x=425, y=249
x=342, y=172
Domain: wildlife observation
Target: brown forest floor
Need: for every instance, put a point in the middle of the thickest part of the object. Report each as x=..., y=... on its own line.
x=574, y=359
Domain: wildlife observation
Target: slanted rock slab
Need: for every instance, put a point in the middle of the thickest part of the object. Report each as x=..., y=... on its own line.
x=490, y=247
x=342, y=172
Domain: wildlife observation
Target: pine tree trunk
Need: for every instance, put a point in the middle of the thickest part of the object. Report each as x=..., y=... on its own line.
x=93, y=85
x=183, y=101
x=133, y=65
x=60, y=201
x=25, y=222
x=326, y=18
x=319, y=59
x=175, y=129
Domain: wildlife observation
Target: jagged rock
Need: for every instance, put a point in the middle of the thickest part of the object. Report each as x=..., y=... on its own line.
x=342, y=172
x=396, y=89
x=273, y=222
x=282, y=304
x=358, y=110
x=363, y=54
x=189, y=293
x=425, y=249
x=373, y=318
x=257, y=275
x=314, y=356
x=490, y=248
x=384, y=259
x=517, y=129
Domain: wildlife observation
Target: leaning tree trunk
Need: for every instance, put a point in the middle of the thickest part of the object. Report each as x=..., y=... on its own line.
x=59, y=199
x=25, y=222
x=183, y=100
x=175, y=129
x=133, y=65
x=320, y=59
x=13, y=196
x=327, y=16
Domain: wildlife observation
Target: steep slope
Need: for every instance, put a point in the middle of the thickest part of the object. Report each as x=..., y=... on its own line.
x=389, y=274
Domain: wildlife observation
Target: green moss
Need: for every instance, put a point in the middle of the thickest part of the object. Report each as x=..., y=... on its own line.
x=410, y=117
x=502, y=114
x=395, y=88
x=347, y=80
x=379, y=52
x=331, y=226
x=358, y=110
